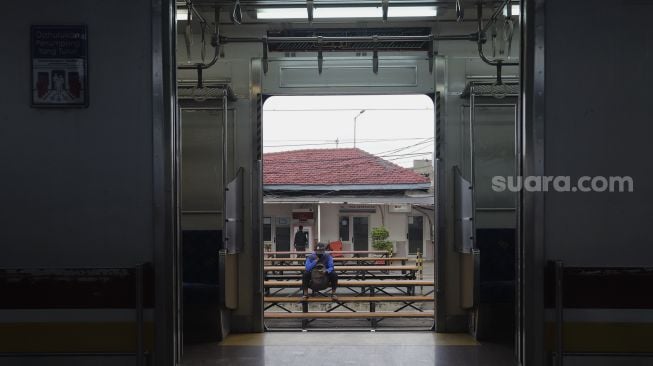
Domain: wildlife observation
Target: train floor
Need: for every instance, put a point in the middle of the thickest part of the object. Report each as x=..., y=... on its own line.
x=349, y=348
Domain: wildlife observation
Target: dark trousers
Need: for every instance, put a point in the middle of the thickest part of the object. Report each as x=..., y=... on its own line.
x=333, y=279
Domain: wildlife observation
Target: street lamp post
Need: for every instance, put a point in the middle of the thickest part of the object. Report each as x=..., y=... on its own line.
x=355, y=118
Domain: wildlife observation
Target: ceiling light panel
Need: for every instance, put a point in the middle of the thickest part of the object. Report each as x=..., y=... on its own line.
x=348, y=12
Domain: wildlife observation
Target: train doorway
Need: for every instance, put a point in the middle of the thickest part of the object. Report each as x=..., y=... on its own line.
x=356, y=173
x=246, y=77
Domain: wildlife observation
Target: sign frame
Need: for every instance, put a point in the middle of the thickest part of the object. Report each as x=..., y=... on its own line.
x=57, y=81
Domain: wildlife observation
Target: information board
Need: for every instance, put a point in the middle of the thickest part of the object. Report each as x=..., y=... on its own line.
x=59, y=66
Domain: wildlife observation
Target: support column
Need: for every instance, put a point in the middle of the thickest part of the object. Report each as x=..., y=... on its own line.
x=319, y=227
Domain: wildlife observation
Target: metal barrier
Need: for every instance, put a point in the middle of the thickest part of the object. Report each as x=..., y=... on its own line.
x=142, y=357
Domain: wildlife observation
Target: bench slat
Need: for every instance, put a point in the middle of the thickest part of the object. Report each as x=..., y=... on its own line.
x=341, y=259
x=346, y=276
x=349, y=315
x=288, y=299
x=355, y=283
x=345, y=268
x=334, y=251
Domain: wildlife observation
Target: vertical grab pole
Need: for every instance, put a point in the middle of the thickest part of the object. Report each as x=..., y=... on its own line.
x=225, y=150
x=140, y=346
x=472, y=174
x=559, y=274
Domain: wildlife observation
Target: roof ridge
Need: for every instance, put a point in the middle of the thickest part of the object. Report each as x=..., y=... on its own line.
x=317, y=149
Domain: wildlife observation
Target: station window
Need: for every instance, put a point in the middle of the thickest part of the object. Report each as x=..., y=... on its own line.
x=267, y=229
x=344, y=228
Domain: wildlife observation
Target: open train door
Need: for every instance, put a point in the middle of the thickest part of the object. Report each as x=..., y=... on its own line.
x=311, y=74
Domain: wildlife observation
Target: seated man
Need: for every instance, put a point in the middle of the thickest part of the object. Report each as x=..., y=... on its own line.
x=319, y=261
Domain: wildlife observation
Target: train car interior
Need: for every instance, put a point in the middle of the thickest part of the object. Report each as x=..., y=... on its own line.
x=233, y=59
x=192, y=176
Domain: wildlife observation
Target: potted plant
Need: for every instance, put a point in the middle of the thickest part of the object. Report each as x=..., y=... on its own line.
x=380, y=240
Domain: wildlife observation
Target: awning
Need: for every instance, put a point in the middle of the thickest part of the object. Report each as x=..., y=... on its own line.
x=424, y=200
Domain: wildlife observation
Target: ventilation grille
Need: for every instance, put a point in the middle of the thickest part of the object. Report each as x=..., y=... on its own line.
x=209, y=90
x=351, y=46
x=489, y=89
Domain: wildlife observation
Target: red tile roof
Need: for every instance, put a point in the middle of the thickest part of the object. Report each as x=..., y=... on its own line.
x=349, y=166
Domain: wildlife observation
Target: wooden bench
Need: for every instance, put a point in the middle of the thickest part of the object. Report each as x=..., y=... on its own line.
x=402, y=302
x=349, y=315
x=320, y=299
x=375, y=317
x=370, y=286
x=381, y=253
x=354, y=283
x=361, y=272
x=407, y=301
x=343, y=261
x=343, y=268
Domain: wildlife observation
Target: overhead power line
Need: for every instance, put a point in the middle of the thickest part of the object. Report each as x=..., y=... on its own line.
x=362, y=161
x=382, y=154
x=341, y=142
x=349, y=140
x=426, y=140
x=359, y=159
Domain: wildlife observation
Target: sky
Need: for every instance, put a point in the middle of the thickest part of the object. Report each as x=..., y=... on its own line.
x=398, y=128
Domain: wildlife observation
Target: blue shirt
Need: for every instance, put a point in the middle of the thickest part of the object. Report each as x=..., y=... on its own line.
x=311, y=262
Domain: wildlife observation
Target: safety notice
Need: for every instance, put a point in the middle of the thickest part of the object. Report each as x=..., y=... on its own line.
x=59, y=66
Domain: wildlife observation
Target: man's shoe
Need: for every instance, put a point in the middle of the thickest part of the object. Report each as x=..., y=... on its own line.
x=334, y=297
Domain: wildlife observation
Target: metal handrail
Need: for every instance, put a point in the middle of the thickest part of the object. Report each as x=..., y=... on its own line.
x=378, y=38
x=199, y=66
x=481, y=36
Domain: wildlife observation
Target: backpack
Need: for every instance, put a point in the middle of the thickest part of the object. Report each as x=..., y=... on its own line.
x=319, y=278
